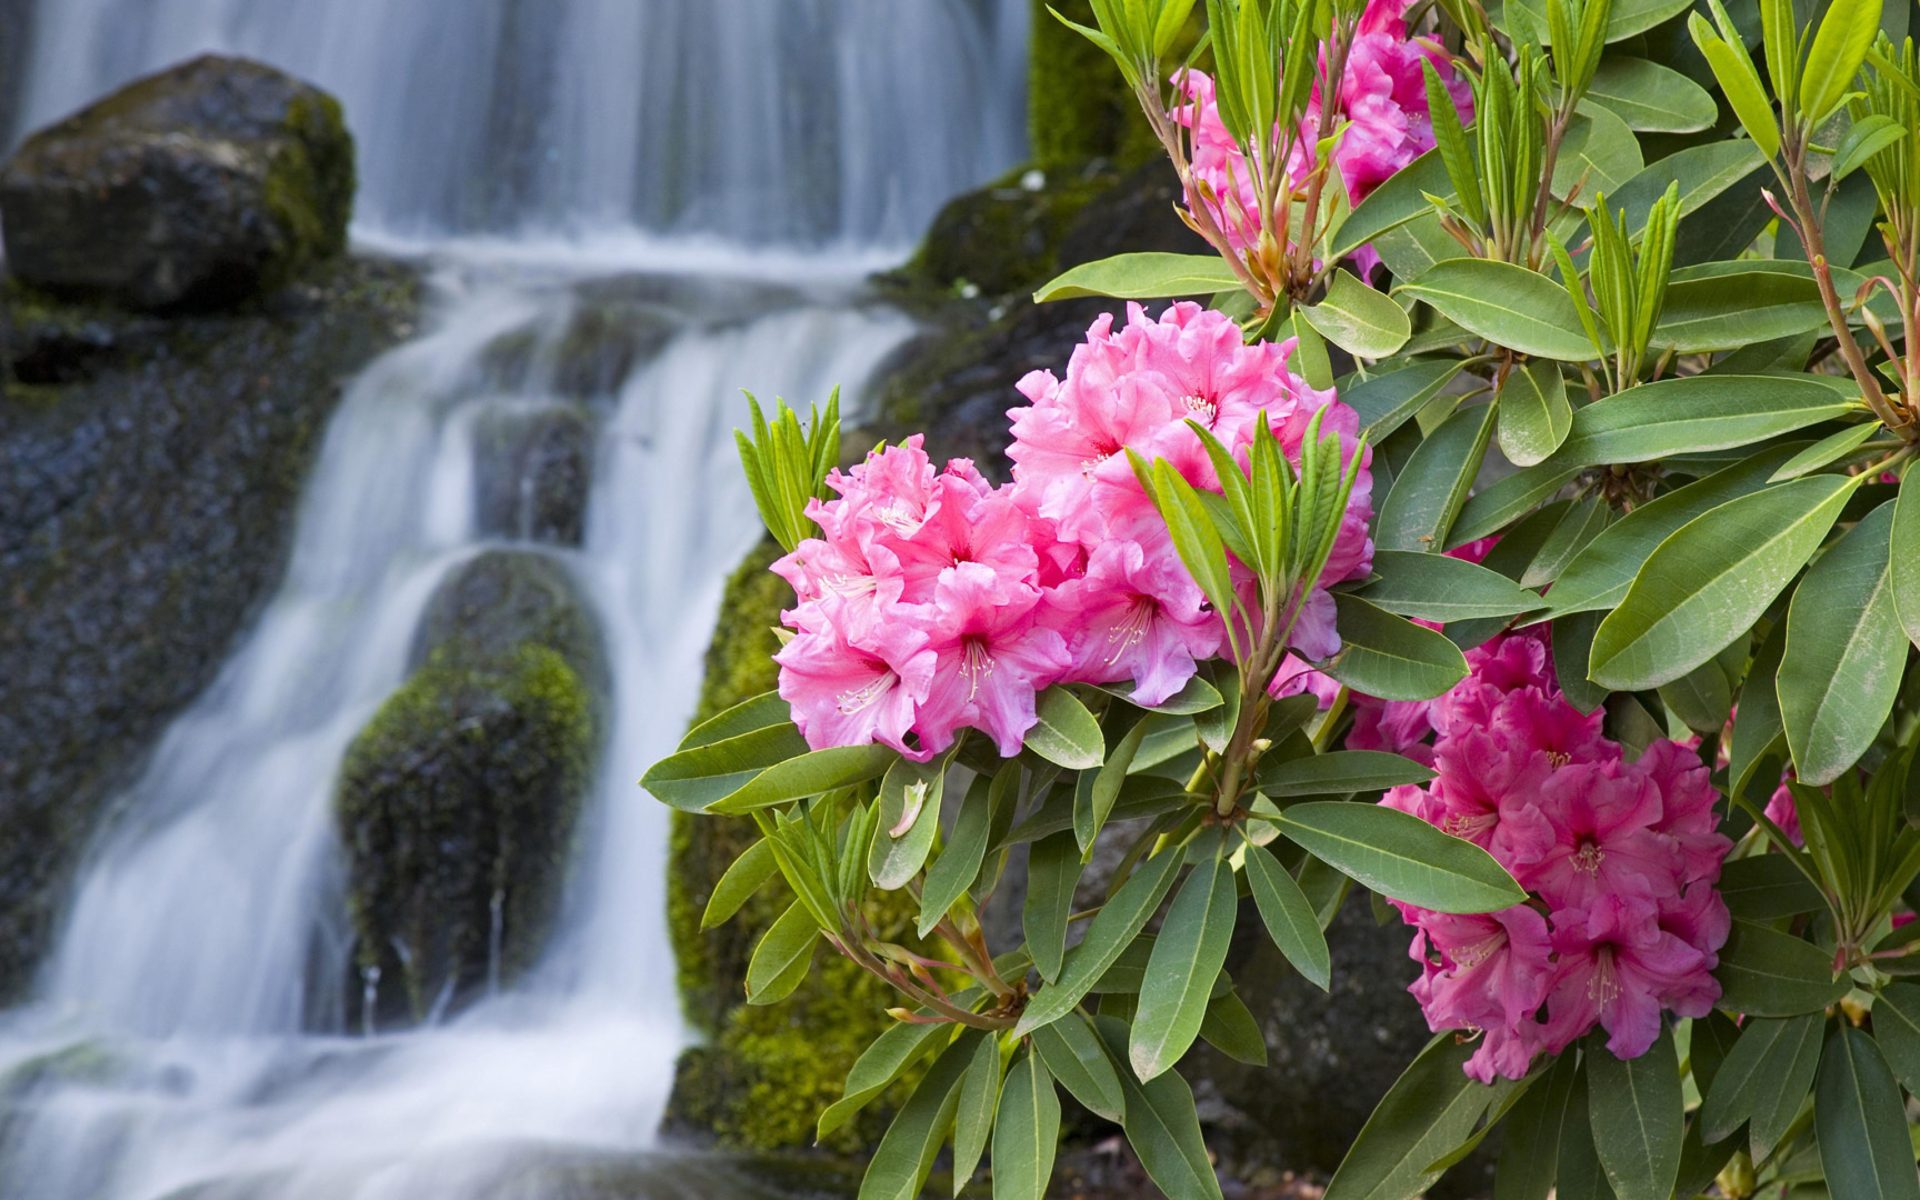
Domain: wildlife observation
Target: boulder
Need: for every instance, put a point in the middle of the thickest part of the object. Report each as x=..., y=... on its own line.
x=533, y=468
x=150, y=472
x=458, y=799
x=199, y=187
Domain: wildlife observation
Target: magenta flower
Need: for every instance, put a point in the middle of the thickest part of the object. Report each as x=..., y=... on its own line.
x=1615, y=963
x=1486, y=972
x=1603, y=843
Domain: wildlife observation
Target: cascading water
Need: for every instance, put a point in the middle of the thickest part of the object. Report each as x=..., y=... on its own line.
x=765, y=120
x=191, y=1037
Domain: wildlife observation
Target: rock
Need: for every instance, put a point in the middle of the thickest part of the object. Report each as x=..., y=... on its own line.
x=150, y=471
x=1333, y=1056
x=955, y=382
x=532, y=472
x=16, y=43
x=201, y=186
x=457, y=801
x=1005, y=237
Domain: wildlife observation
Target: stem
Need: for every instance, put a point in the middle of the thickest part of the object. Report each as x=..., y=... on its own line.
x=979, y=964
x=1813, y=240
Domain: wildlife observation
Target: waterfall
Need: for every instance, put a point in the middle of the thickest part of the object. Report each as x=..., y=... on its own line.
x=769, y=121
x=739, y=163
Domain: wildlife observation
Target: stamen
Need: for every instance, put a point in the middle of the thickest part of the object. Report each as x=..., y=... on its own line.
x=1588, y=858
x=1469, y=825
x=976, y=662
x=1200, y=407
x=1131, y=629
x=848, y=584
x=853, y=700
x=1604, y=986
x=1471, y=956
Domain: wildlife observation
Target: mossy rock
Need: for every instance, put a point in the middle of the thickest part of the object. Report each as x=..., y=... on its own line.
x=533, y=470
x=1005, y=238
x=1078, y=105
x=202, y=186
x=150, y=472
x=458, y=800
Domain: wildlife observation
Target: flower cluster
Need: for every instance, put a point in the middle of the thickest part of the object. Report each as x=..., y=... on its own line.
x=1620, y=859
x=1383, y=106
x=934, y=601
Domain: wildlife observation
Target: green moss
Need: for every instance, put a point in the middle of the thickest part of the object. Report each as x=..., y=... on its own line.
x=1005, y=237
x=1078, y=105
x=456, y=801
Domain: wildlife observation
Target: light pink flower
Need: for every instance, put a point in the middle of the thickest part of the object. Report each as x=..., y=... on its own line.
x=993, y=656
x=1137, y=615
x=850, y=685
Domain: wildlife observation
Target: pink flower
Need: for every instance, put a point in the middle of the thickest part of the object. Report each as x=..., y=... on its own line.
x=850, y=684
x=969, y=523
x=1687, y=813
x=1615, y=963
x=1383, y=120
x=1782, y=811
x=1603, y=844
x=993, y=656
x=1137, y=615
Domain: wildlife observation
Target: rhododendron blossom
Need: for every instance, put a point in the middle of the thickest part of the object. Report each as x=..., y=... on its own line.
x=934, y=602
x=1383, y=119
x=1619, y=859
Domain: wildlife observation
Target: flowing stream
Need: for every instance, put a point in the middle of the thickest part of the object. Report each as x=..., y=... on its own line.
x=731, y=167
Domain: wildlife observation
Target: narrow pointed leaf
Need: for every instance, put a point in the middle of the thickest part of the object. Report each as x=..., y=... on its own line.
x=1435, y=587
x=781, y=956
x=748, y=874
x=1053, y=871
x=1163, y=1126
x=1399, y=855
x=1861, y=1123
x=1431, y=1109
x=904, y=1157
x=1289, y=917
x=1110, y=932
x=1765, y=973
x=1636, y=1114
x=1187, y=957
x=1148, y=276
x=1075, y=1058
x=1027, y=1132
x=1429, y=491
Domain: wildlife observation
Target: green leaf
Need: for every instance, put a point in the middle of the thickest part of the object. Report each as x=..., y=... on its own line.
x=1764, y=973
x=904, y=1157
x=1363, y=322
x=1339, y=773
x=1580, y=1175
x=693, y=778
x=1703, y=173
x=1289, y=917
x=882, y=1062
x=1534, y=414
x=1110, y=932
x=1066, y=733
x=1187, y=957
x=811, y=774
x=959, y=863
x=1053, y=872
x=1151, y=276
x=1507, y=305
x=1399, y=200
x=910, y=796
x=1839, y=47
x=1194, y=534
x=1600, y=576
x=765, y=711
x=1635, y=1111
x=1197, y=696
x=1388, y=400
x=1729, y=1102
x=1401, y=856
x=1866, y=137
x=1825, y=452
x=1583, y=521
x=1727, y=305
x=973, y=1116
x=1432, y=1108
x=1385, y=656
x=1163, y=1127
x=1896, y=1026
x=1652, y=98
x=1229, y=1027
x=1764, y=886
x=1905, y=539
x=1711, y=580
x=1694, y=414
x=1599, y=154
x=1498, y=506
x=1429, y=491
x=1027, y=1133
x=1628, y=17
x=1530, y=1142
x=1845, y=653
x=1861, y=1122
x=748, y=874
x=1739, y=82
x=1103, y=786
x=1785, y=1077
x=1435, y=587
x=1073, y=1056
x=780, y=959
x=1572, y=649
